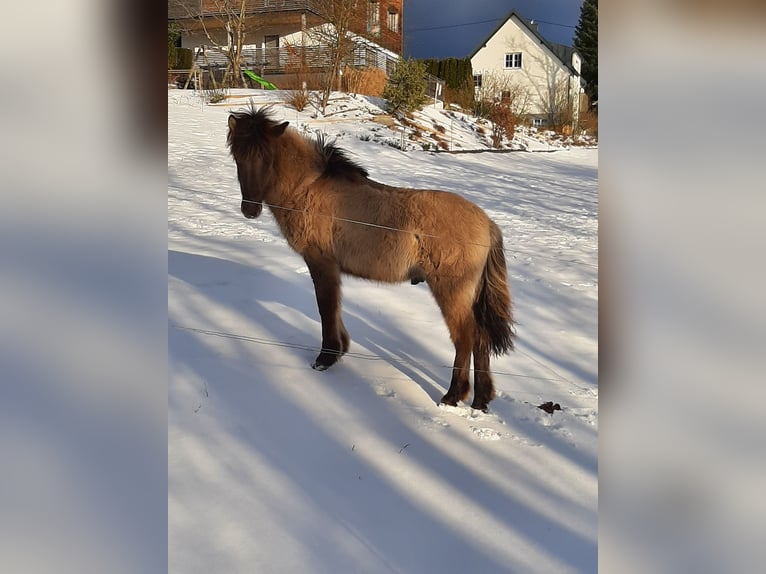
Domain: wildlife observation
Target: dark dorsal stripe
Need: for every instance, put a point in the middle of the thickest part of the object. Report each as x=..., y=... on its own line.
x=337, y=164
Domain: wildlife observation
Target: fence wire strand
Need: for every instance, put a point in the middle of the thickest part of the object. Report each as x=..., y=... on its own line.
x=385, y=227
x=364, y=356
x=370, y=357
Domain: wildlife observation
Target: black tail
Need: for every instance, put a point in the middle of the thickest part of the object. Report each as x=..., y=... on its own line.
x=492, y=308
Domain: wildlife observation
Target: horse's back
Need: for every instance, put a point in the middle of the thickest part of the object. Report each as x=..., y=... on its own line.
x=384, y=233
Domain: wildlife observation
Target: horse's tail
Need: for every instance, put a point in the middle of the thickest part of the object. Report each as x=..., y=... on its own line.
x=492, y=308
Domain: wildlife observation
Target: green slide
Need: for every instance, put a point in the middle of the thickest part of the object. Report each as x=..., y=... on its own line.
x=266, y=84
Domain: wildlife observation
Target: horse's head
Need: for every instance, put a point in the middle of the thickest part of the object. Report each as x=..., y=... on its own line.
x=252, y=138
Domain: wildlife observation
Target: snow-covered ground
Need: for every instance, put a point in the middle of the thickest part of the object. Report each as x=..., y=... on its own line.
x=274, y=467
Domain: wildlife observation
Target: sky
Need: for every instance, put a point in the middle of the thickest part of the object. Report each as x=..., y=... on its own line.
x=459, y=32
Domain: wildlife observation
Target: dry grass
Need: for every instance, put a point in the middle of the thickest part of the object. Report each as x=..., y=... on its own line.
x=589, y=123
x=366, y=81
x=298, y=99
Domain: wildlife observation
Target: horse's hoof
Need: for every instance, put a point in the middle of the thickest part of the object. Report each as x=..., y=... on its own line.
x=324, y=361
x=446, y=400
x=484, y=409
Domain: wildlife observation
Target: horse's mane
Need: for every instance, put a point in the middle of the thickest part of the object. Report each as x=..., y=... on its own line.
x=255, y=131
x=336, y=162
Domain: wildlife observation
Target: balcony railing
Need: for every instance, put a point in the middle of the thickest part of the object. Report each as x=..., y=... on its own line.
x=290, y=59
x=181, y=9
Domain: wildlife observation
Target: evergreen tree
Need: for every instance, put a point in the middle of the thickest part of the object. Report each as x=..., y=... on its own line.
x=174, y=32
x=586, y=42
x=406, y=88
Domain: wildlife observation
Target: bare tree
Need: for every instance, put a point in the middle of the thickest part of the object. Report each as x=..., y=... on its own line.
x=506, y=90
x=554, y=92
x=503, y=101
x=220, y=15
x=551, y=88
x=336, y=38
x=559, y=105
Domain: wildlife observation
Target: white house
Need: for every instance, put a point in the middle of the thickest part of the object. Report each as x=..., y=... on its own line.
x=540, y=78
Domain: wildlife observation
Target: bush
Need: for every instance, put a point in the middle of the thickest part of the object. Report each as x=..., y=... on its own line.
x=589, y=123
x=458, y=78
x=298, y=99
x=406, y=88
x=184, y=59
x=503, y=120
x=215, y=95
x=366, y=81
x=174, y=33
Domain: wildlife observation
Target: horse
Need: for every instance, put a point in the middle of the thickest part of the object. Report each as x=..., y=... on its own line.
x=342, y=222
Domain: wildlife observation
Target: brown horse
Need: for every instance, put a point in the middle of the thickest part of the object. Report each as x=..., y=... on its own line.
x=340, y=221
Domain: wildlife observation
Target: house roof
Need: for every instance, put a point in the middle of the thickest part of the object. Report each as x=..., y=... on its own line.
x=562, y=53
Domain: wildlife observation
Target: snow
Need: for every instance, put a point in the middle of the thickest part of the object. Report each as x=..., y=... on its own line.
x=275, y=467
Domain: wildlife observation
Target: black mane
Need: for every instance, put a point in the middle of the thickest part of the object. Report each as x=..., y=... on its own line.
x=337, y=164
x=255, y=131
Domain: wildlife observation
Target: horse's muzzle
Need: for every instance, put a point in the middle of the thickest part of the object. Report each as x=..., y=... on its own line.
x=250, y=209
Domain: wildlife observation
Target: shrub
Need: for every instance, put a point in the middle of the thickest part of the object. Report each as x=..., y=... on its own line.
x=215, y=95
x=366, y=81
x=298, y=99
x=174, y=32
x=183, y=59
x=589, y=123
x=458, y=78
x=406, y=88
x=502, y=118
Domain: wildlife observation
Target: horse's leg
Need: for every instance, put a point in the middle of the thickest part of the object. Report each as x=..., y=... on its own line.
x=335, y=340
x=483, y=388
x=345, y=340
x=459, y=387
x=455, y=305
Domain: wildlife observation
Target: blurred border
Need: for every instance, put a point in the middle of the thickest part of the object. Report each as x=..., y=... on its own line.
x=83, y=254
x=83, y=221
x=681, y=92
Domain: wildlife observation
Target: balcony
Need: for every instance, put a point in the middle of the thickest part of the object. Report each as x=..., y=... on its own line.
x=184, y=9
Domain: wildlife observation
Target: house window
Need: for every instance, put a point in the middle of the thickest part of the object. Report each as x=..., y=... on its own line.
x=271, y=41
x=373, y=18
x=271, y=51
x=477, y=81
x=513, y=60
x=393, y=20
x=539, y=122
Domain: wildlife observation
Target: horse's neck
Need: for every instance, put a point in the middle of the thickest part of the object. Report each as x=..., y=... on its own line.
x=294, y=174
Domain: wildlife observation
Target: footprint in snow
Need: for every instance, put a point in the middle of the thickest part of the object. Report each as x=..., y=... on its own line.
x=483, y=433
x=384, y=391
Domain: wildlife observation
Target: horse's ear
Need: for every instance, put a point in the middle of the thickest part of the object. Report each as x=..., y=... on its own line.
x=280, y=129
x=232, y=121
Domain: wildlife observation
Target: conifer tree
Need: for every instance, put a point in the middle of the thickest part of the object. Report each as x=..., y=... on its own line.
x=586, y=42
x=406, y=88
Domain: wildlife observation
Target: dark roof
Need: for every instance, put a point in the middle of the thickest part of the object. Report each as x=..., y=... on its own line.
x=563, y=53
